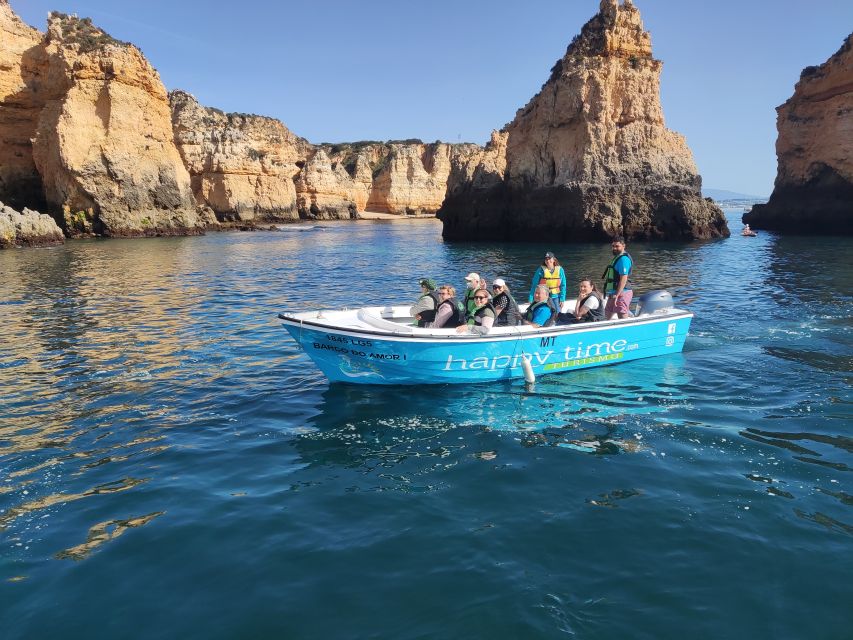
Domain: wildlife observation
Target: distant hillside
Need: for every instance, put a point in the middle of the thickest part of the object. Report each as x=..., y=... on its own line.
x=722, y=194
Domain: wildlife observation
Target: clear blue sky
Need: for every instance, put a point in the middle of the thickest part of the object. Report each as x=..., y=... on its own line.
x=452, y=70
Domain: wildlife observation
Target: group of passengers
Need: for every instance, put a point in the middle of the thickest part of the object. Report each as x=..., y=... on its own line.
x=480, y=308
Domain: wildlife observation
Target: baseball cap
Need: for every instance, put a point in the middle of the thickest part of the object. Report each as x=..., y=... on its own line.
x=473, y=277
x=498, y=282
x=548, y=254
x=429, y=283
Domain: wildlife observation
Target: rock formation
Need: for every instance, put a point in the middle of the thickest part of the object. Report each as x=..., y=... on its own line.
x=27, y=229
x=242, y=166
x=22, y=67
x=814, y=183
x=589, y=156
x=104, y=145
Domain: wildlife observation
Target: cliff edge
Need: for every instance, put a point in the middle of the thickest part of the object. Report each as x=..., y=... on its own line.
x=813, y=193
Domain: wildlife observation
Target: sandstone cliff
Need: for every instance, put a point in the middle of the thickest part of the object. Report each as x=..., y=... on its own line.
x=814, y=182
x=23, y=63
x=27, y=229
x=242, y=166
x=590, y=156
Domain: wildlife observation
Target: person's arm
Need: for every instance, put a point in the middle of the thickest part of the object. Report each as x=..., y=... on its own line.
x=441, y=317
x=424, y=304
x=536, y=278
x=483, y=329
x=562, y=287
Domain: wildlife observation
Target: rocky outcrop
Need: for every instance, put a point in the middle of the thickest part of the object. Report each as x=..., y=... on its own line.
x=22, y=67
x=241, y=166
x=813, y=193
x=589, y=156
x=104, y=145
x=27, y=229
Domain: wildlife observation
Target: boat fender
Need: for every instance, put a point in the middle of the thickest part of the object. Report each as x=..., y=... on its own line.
x=529, y=376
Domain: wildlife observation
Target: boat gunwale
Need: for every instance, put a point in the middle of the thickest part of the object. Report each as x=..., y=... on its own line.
x=674, y=314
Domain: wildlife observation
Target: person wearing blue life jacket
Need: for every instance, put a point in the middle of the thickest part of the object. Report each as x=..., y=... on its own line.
x=540, y=313
x=553, y=276
x=617, y=286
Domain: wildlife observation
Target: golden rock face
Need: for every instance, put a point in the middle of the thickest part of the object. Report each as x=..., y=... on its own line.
x=590, y=155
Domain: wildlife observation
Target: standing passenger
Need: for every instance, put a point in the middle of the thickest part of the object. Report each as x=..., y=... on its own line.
x=552, y=275
x=616, y=286
x=505, y=305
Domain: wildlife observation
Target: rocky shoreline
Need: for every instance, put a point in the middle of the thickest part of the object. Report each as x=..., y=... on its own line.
x=91, y=136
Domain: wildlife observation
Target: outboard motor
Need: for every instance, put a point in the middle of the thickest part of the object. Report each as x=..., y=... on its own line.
x=654, y=302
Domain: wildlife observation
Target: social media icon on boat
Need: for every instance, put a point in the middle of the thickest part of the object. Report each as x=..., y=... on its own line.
x=670, y=341
x=671, y=330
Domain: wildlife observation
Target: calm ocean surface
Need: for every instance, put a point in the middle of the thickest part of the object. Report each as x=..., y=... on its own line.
x=171, y=465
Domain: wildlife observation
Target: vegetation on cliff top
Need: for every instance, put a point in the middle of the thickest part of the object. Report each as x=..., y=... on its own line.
x=82, y=32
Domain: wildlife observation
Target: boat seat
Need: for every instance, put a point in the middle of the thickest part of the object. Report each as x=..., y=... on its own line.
x=371, y=317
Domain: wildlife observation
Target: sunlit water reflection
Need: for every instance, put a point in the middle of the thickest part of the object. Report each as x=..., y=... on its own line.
x=166, y=451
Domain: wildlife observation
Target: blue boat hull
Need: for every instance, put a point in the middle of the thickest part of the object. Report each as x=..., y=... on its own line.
x=364, y=357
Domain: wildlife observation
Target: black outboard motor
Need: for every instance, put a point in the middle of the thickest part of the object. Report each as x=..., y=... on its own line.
x=654, y=302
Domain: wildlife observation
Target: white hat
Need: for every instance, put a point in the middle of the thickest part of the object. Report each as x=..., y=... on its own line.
x=473, y=277
x=499, y=282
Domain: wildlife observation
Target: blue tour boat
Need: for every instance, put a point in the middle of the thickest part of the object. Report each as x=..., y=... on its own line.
x=380, y=345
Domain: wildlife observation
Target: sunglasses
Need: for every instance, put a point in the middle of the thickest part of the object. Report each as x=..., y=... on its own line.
x=481, y=297
x=496, y=286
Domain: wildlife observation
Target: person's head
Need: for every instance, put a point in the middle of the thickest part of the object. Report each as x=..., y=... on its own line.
x=428, y=284
x=586, y=286
x=472, y=280
x=481, y=297
x=746, y=226
x=617, y=245
x=499, y=285
x=550, y=261
x=447, y=291
x=541, y=293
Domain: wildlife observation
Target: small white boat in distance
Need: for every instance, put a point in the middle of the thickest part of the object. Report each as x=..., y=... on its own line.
x=381, y=345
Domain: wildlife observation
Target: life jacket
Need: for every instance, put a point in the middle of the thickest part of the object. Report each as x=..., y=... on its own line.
x=457, y=318
x=511, y=315
x=611, y=277
x=429, y=314
x=528, y=315
x=593, y=315
x=486, y=310
x=552, y=279
x=470, y=305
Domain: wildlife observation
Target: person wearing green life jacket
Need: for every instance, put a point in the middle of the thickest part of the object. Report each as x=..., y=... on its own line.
x=552, y=275
x=616, y=281
x=483, y=318
x=472, y=282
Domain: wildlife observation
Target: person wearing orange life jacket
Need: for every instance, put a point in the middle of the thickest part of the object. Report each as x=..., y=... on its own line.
x=552, y=275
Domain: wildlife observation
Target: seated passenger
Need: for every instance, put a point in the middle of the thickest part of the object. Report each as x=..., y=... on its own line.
x=541, y=313
x=472, y=283
x=423, y=311
x=589, y=306
x=505, y=305
x=450, y=312
x=483, y=318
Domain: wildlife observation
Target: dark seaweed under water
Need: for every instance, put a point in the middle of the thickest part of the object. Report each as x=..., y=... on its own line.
x=171, y=465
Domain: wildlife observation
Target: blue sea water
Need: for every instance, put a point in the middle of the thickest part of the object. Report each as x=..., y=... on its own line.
x=171, y=465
